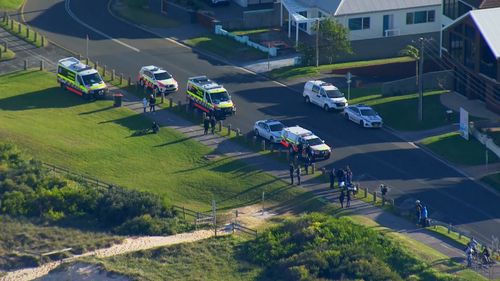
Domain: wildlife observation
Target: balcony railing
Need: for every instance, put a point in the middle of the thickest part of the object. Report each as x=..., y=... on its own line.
x=392, y=32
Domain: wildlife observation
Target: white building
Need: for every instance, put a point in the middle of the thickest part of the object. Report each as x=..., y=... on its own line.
x=365, y=19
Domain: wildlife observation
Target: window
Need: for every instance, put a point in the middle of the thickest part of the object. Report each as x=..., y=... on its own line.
x=80, y=81
x=359, y=23
x=315, y=89
x=420, y=17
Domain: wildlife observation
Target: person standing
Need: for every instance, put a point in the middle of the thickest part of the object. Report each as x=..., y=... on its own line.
x=332, y=178
x=152, y=103
x=212, y=124
x=206, y=125
x=424, y=216
x=298, y=174
x=307, y=162
x=341, y=199
x=348, y=203
x=348, y=175
x=144, y=104
x=290, y=168
x=418, y=211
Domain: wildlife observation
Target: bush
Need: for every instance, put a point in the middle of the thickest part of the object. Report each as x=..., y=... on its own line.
x=147, y=225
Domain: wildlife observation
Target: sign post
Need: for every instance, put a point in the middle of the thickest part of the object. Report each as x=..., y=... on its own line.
x=464, y=123
x=348, y=77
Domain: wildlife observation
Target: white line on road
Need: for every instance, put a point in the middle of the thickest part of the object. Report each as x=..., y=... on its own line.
x=71, y=14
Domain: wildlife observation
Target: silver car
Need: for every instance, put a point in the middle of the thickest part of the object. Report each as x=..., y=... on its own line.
x=363, y=115
x=269, y=130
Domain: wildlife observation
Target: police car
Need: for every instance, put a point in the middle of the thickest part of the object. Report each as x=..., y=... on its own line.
x=363, y=115
x=270, y=130
x=158, y=79
x=324, y=95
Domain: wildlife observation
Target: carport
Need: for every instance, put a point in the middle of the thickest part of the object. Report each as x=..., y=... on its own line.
x=296, y=11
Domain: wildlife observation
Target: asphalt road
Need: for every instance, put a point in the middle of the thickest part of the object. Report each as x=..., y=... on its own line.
x=375, y=156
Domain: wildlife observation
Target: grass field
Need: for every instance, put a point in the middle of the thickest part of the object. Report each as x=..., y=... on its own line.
x=312, y=71
x=10, y=4
x=211, y=259
x=21, y=240
x=94, y=138
x=454, y=148
x=225, y=47
x=143, y=17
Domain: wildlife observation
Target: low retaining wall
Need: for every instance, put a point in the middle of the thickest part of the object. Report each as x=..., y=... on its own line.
x=244, y=40
x=438, y=80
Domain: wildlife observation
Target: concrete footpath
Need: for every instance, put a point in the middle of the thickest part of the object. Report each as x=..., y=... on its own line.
x=221, y=145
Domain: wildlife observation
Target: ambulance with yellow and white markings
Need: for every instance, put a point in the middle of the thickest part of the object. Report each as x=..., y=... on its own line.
x=80, y=79
x=209, y=97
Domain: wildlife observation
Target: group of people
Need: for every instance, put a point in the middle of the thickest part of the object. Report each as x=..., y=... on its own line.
x=151, y=102
x=343, y=176
x=472, y=251
x=209, y=123
x=421, y=214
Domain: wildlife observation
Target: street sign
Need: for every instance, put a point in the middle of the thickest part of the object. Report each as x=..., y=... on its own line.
x=464, y=123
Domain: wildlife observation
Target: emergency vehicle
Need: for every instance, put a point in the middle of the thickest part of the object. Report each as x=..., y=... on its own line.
x=209, y=97
x=158, y=79
x=294, y=137
x=80, y=79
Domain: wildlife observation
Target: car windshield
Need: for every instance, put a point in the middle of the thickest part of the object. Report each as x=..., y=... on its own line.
x=276, y=127
x=334, y=93
x=92, y=79
x=162, y=76
x=219, y=97
x=313, y=142
x=368, y=112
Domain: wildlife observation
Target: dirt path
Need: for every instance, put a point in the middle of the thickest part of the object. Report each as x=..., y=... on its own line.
x=127, y=246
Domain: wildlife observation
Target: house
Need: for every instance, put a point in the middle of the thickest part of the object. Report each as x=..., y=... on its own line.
x=365, y=19
x=471, y=44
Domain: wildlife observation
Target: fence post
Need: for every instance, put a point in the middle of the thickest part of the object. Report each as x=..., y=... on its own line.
x=121, y=78
x=103, y=71
x=366, y=192
x=129, y=81
x=86, y=61
x=449, y=228
x=42, y=38
x=12, y=24
x=5, y=46
x=41, y=65
x=313, y=168
x=112, y=75
x=36, y=36
x=96, y=65
x=0, y=53
x=27, y=33
x=170, y=101
x=19, y=28
x=374, y=197
x=25, y=64
x=229, y=130
x=220, y=125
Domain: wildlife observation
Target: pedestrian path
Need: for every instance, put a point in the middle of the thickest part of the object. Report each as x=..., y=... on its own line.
x=221, y=145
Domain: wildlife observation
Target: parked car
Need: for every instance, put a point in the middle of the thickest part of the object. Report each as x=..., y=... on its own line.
x=158, y=79
x=324, y=95
x=295, y=137
x=363, y=115
x=270, y=130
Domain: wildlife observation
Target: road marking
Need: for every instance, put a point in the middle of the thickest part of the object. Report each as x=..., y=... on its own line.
x=72, y=15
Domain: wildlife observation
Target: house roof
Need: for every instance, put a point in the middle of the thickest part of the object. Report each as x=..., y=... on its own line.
x=488, y=21
x=486, y=4
x=349, y=7
x=329, y=6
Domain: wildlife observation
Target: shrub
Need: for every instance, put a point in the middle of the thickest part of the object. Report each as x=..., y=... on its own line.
x=147, y=225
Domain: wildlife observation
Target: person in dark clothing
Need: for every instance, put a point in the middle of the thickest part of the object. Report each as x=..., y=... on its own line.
x=212, y=124
x=300, y=150
x=291, y=169
x=348, y=175
x=206, y=125
x=348, y=204
x=340, y=176
x=332, y=178
x=341, y=199
x=297, y=171
x=152, y=103
x=155, y=128
x=307, y=162
x=418, y=211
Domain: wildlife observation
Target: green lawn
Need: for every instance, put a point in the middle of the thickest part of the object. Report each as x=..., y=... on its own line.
x=30, y=39
x=94, y=138
x=225, y=47
x=454, y=148
x=6, y=55
x=493, y=180
x=211, y=259
x=311, y=71
x=250, y=31
x=10, y=4
x=144, y=17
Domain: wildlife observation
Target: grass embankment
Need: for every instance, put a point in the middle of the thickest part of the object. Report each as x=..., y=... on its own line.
x=94, y=138
x=493, y=180
x=13, y=28
x=250, y=31
x=312, y=71
x=225, y=47
x=454, y=148
x=6, y=54
x=211, y=259
x=21, y=242
x=143, y=16
x=10, y=5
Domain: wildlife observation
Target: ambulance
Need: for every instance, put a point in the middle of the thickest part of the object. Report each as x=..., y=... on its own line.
x=80, y=79
x=209, y=97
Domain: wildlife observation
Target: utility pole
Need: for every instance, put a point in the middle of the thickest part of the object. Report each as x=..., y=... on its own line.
x=421, y=81
x=87, y=46
x=317, y=43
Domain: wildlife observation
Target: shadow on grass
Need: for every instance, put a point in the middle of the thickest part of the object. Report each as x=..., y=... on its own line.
x=96, y=111
x=48, y=98
x=135, y=122
x=173, y=142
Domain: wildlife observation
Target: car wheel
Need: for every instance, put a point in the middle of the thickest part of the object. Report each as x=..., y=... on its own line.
x=307, y=100
x=361, y=123
x=326, y=108
x=346, y=116
x=256, y=132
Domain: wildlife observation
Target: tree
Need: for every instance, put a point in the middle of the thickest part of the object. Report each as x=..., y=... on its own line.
x=412, y=52
x=334, y=39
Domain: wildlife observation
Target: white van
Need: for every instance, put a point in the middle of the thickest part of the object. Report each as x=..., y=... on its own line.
x=324, y=95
